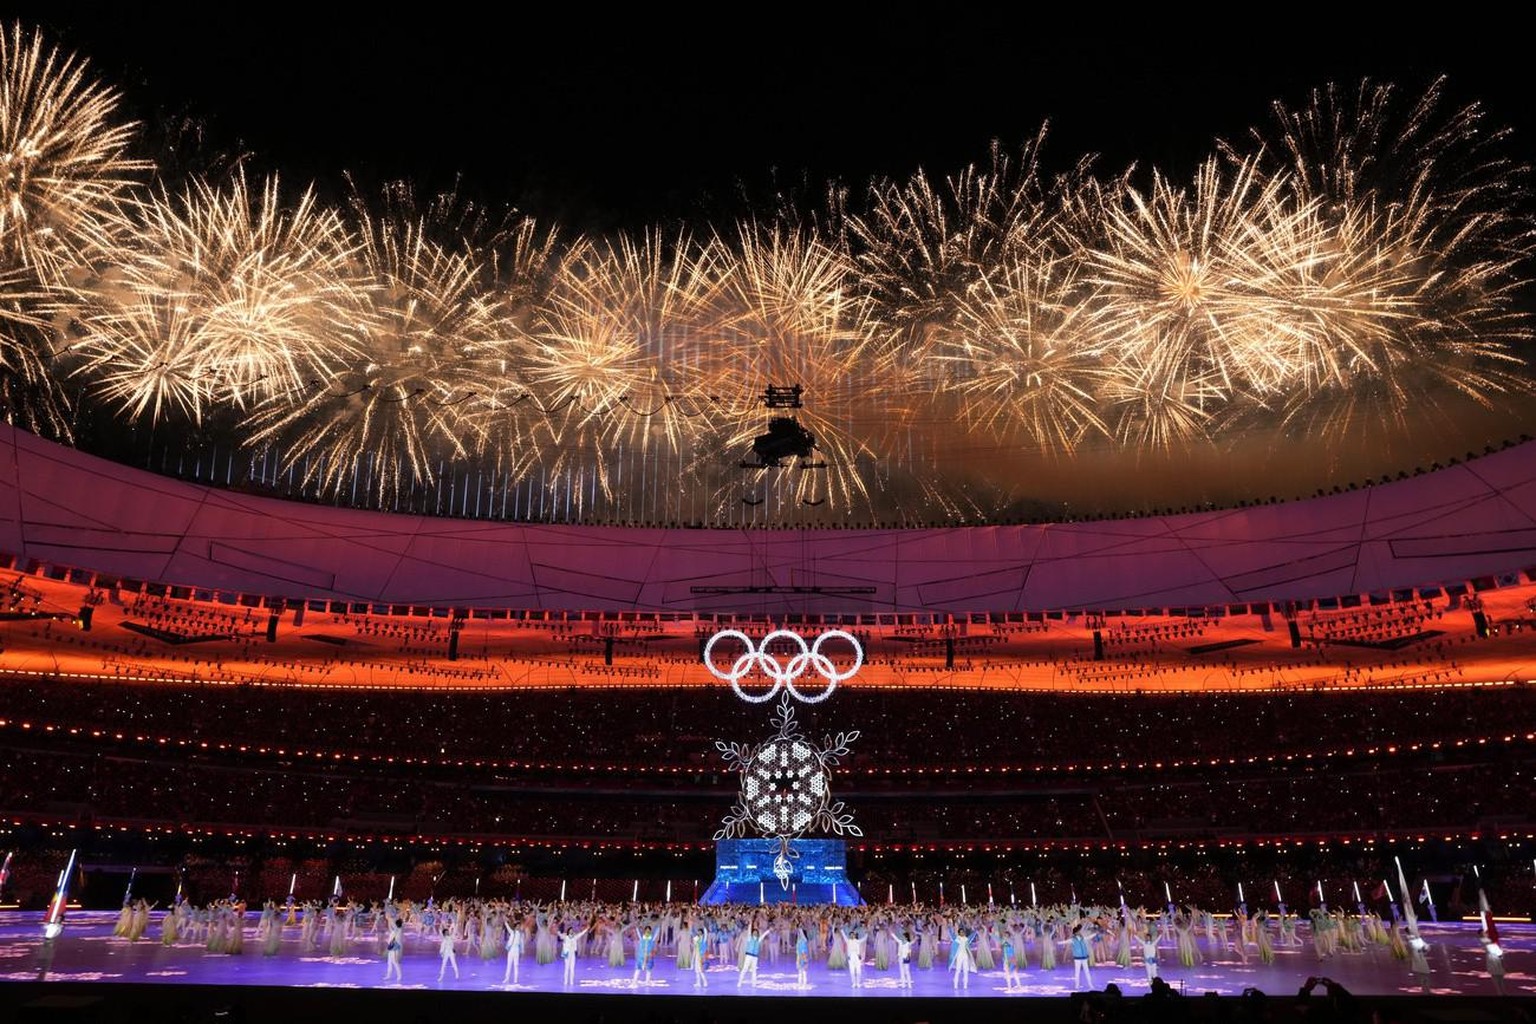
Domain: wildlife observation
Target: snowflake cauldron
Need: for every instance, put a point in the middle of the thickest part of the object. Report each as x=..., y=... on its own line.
x=786, y=783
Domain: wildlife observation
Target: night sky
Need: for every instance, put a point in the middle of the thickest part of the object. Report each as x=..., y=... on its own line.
x=605, y=122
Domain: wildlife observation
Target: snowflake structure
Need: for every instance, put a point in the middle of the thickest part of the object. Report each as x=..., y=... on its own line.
x=786, y=783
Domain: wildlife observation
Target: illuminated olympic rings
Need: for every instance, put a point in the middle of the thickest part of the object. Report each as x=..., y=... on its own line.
x=783, y=675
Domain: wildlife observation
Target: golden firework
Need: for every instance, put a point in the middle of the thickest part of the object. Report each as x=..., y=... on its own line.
x=65, y=171
x=1367, y=258
x=422, y=386
x=227, y=299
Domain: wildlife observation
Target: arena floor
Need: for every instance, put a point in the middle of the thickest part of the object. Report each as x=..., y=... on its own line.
x=88, y=952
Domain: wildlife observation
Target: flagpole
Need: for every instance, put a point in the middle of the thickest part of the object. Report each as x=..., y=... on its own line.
x=53, y=923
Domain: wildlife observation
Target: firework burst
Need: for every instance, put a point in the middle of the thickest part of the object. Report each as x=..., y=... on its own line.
x=226, y=299
x=65, y=170
x=1017, y=362
x=1182, y=303
x=422, y=383
x=1367, y=257
x=621, y=341
x=924, y=249
x=64, y=160
x=1417, y=283
x=793, y=316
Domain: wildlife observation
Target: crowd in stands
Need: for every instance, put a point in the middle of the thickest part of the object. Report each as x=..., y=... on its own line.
x=150, y=632
x=1362, y=797
x=648, y=728
x=639, y=765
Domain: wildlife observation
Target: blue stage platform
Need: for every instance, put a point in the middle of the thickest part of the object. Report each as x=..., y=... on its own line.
x=817, y=873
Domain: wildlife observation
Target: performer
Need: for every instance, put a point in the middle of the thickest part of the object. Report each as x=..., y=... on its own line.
x=645, y=949
x=1183, y=927
x=927, y=942
x=1081, y=971
x=803, y=957
x=445, y=950
x=490, y=933
x=309, y=934
x=751, y=945
x=1288, y=936
x=684, y=930
x=569, y=942
x=960, y=961
x=1010, y=979
x=235, y=943
x=904, y=958
x=338, y=918
x=615, y=929
x=140, y=922
x=514, y=951
x=545, y=947
x=700, y=955
x=880, y=940
x=1149, y=951
x=1321, y=934
x=1244, y=933
x=216, y=929
x=168, y=927
x=1261, y=935
x=855, y=943
x=981, y=946
x=392, y=950
x=1124, y=929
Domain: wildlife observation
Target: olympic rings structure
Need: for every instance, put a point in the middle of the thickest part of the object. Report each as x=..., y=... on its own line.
x=757, y=656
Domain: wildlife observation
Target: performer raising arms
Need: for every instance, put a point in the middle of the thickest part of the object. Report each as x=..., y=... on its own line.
x=855, y=942
x=751, y=946
x=1149, y=950
x=447, y=954
x=700, y=940
x=960, y=960
x=903, y=958
x=515, y=939
x=568, y=945
x=645, y=953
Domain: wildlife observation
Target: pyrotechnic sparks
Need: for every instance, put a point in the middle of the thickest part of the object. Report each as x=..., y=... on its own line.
x=923, y=247
x=1427, y=235
x=433, y=348
x=794, y=317
x=1018, y=361
x=65, y=170
x=226, y=299
x=1182, y=305
x=620, y=345
x=1370, y=259
x=64, y=160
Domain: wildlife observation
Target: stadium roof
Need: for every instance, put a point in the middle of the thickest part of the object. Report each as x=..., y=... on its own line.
x=1468, y=521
